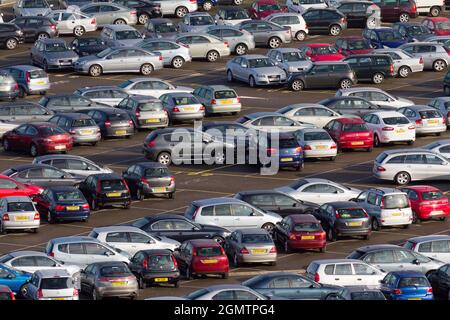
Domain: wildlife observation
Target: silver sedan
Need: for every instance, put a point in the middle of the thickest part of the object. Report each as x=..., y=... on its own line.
x=204, y=46
x=119, y=60
x=75, y=23
x=196, y=22
x=404, y=63
x=110, y=13
x=52, y=54
x=290, y=59
x=443, y=105
x=240, y=41
x=174, y=54
x=267, y=33
x=441, y=146
x=426, y=119
x=435, y=55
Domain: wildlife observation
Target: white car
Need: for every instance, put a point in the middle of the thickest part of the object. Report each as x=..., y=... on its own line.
x=345, y=272
x=376, y=96
x=272, y=121
x=231, y=16
x=404, y=63
x=18, y=213
x=6, y=126
x=300, y=6
x=295, y=21
x=441, y=146
x=179, y=8
x=72, y=164
x=427, y=119
x=316, y=143
x=132, y=239
x=154, y=87
x=430, y=7
x=434, y=246
x=73, y=22
x=51, y=285
x=319, y=191
x=314, y=113
x=390, y=126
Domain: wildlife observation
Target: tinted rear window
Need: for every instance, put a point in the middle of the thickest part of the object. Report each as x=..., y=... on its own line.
x=156, y=172
x=288, y=143
x=225, y=94
x=356, y=254
x=432, y=195
x=151, y=106
x=413, y=282
x=108, y=185
x=209, y=252
x=115, y=271
x=380, y=158
x=160, y=262
x=430, y=114
x=185, y=100
x=194, y=295
x=68, y=196
x=56, y=283
x=298, y=184
x=51, y=131
x=83, y=123
x=313, y=136
x=396, y=201
x=307, y=227
x=256, y=238
x=20, y=206
x=312, y=268
x=395, y=120
x=351, y=213
x=118, y=117
x=354, y=127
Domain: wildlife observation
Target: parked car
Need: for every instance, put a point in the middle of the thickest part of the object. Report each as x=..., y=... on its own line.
x=144, y=9
x=113, y=122
x=73, y=22
x=51, y=285
x=440, y=26
x=406, y=285
x=427, y=119
x=222, y=292
x=18, y=213
x=161, y=28
x=24, y=112
x=356, y=12
x=383, y=37
x=204, y=46
x=231, y=15
x=218, y=99
x=295, y=21
x=290, y=60
x=353, y=44
x=361, y=293
x=442, y=104
x=196, y=22
x=435, y=56
x=86, y=46
x=433, y=246
x=105, y=95
x=149, y=86
x=412, y=31
x=6, y=126
x=272, y=121
x=300, y=231
x=371, y=67
x=10, y=187
x=120, y=35
x=439, y=281
x=173, y=54
x=427, y=202
x=375, y=96
x=81, y=127
x=145, y=112
x=239, y=41
x=316, y=143
x=9, y=88
x=404, y=63
x=262, y=8
x=6, y=293
x=24, y=8
x=110, y=13
x=446, y=84
x=325, y=20
x=31, y=80
x=302, y=5
x=440, y=146
x=61, y=103
x=72, y=164
x=286, y=150
x=36, y=27
x=318, y=52
x=313, y=113
x=351, y=133
x=10, y=36
x=178, y=8
x=398, y=10
x=181, y=106
x=14, y=279
x=352, y=106
x=266, y=33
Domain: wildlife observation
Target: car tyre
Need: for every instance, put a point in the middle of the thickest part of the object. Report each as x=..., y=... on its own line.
x=171, y=195
x=2, y=229
x=143, y=18
x=439, y=65
x=287, y=249
x=297, y=85
x=435, y=11
x=335, y=30
x=95, y=70
x=345, y=84
x=404, y=71
x=402, y=178
x=207, y=5
x=241, y=49
x=177, y=62
x=42, y=36
x=403, y=17
x=331, y=235
x=212, y=56
x=410, y=143
x=188, y=273
x=415, y=218
x=446, y=91
x=141, y=283
x=23, y=290
x=443, y=219
x=164, y=158
x=119, y=21
x=375, y=225
x=274, y=42
x=176, y=284
x=300, y=36
x=252, y=82
x=146, y=69
x=230, y=76
x=323, y=249
x=180, y=12
x=34, y=150
x=225, y=275
x=78, y=31
x=94, y=205
x=366, y=237
x=11, y=44
x=45, y=65
x=377, y=78
x=406, y=226
x=268, y=226
x=139, y=195
x=237, y=2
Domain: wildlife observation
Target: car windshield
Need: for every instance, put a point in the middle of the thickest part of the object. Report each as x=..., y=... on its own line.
x=358, y=45
x=256, y=238
x=396, y=120
x=29, y=4
x=151, y=106
x=396, y=201
x=432, y=195
x=367, y=295
x=307, y=227
x=196, y=294
x=269, y=7
x=165, y=28
x=209, y=252
x=56, y=283
x=390, y=36
x=225, y=94
x=118, y=116
x=298, y=184
x=51, y=131
x=115, y=271
x=89, y=42
x=351, y=213
x=185, y=100
x=323, y=50
x=413, y=282
x=260, y=63
x=156, y=172
x=418, y=30
x=128, y=35
x=83, y=123
x=160, y=262
x=201, y=21
x=293, y=56
x=20, y=206
x=68, y=195
x=107, y=185
x=56, y=47
x=443, y=25
x=237, y=15
x=313, y=136
x=104, y=53
x=354, y=127
x=288, y=143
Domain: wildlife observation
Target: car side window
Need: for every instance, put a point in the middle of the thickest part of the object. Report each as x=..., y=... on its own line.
x=162, y=225
x=329, y=269
x=242, y=210
x=76, y=248
x=442, y=246
x=383, y=256
x=117, y=237
x=404, y=256
x=280, y=282
x=344, y=269
x=222, y=210
x=372, y=198
x=224, y=295
x=362, y=269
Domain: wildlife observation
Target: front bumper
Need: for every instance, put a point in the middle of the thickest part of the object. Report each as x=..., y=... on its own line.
x=9, y=94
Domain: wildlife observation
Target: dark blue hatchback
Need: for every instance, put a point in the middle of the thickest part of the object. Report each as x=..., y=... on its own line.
x=406, y=285
x=288, y=151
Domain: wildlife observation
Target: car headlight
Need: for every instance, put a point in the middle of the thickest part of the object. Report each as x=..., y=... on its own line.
x=293, y=69
x=81, y=63
x=260, y=76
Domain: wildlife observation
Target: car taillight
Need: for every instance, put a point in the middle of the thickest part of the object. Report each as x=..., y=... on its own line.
x=226, y=44
x=193, y=1
x=51, y=254
x=175, y=263
x=107, y=124
x=333, y=146
x=16, y=87
x=397, y=291
x=172, y=179
x=388, y=129
x=298, y=149
x=213, y=101
x=60, y=208
x=448, y=114
x=12, y=296
x=222, y=251
x=145, y=263
x=430, y=290
x=103, y=279
x=130, y=123
x=316, y=277
x=307, y=147
x=381, y=169
x=414, y=8
x=421, y=60
x=337, y=214
x=419, y=121
x=72, y=131
x=202, y=108
x=94, y=21
x=238, y=100
x=411, y=127
x=53, y=26
x=175, y=109
x=382, y=203
x=36, y=216
x=138, y=112
x=160, y=57
x=126, y=185
x=392, y=69
x=133, y=13
x=443, y=120
x=244, y=251
x=271, y=151
x=344, y=20
x=75, y=292
x=195, y=213
x=27, y=76
x=5, y=217
x=39, y=294
x=151, y=144
x=292, y=236
x=85, y=206
x=273, y=250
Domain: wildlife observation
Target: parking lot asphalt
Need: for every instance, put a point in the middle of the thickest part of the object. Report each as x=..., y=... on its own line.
x=201, y=181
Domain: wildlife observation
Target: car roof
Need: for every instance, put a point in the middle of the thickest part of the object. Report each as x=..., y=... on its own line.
x=150, y=164
x=52, y=273
x=351, y=37
x=350, y=120
x=107, y=263
x=26, y=166
x=138, y=79
x=255, y=115
x=23, y=253
x=163, y=216
x=429, y=238
x=372, y=54
x=24, y=67
x=299, y=218
x=213, y=201
x=73, y=115
x=107, y=176
x=317, y=44
x=383, y=29
x=204, y=242
x=326, y=261
x=140, y=98
x=217, y=87
x=179, y=94
x=97, y=88
x=422, y=188
x=386, y=190
x=61, y=156
x=232, y=8
x=253, y=231
x=160, y=20
x=262, y=191
x=253, y=56
x=217, y=287
x=421, y=107
x=109, y=110
x=52, y=40
x=376, y=247
x=359, y=89
x=415, y=150
x=344, y=204
x=408, y=273
x=286, y=49
x=117, y=229
x=71, y=239
x=438, y=18
x=17, y=199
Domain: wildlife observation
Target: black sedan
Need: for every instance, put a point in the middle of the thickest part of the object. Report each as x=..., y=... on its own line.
x=275, y=201
x=179, y=228
x=292, y=286
x=440, y=281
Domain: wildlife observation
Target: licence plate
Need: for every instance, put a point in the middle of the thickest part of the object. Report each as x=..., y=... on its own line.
x=161, y=279
x=118, y=283
x=65, y=63
x=256, y=251
x=113, y=194
x=161, y=189
x=357, y=143
x=73, y=208
x=433, y=122
x=209, y=261
x=355, y=223
x=188, y=108
x=40, y=82
x=152, y=120
x=60, y=147
x=21, y=218
x=400, y=131
x=58, y=298
x=307, y=238
x=436, y=213
x=121, y=132
x=397, y=214
x=321, y=147
x=286, y=159
x=226, y=101
x=87, y=131
x=414, y=298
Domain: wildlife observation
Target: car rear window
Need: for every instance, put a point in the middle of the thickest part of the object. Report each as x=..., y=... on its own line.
x=20, y=206
x=358, y=44
x=83, y=123
x=160, y=262
x=118, y=116
x=432, y=195
x=288, y=143
x=354, y=127
x=68, y=196
x=108, y=185
x=51, y=131
x=307, y=227
x=430, y=114
x=185, y=100
x=371, y=295
x=36, y=74
x=140, y=223
x=395, y=120
x=5, y=258
x=256, y=238
x=209, y=252
x=115, y=271
x=156, y=172
x=314, y=136
x=298, y=184
x=356, y=254
x=351, y=213
x=312, y=268
x=396, y=201
x=242, y=120
x=194, y=295
x=56, y=283
x=225, y=94
x=413, y=282
x=409, y=245
x=380, y=158
x=151, y=106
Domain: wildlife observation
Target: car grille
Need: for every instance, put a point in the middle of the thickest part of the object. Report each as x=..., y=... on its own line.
x=65, y=62
x=274, y=78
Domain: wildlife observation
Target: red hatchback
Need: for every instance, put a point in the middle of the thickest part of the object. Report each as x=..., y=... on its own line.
x=350, y=133
x=203, y=256
x=10, y=188
x=353, y=45
x=321, y=52
x=300, y=231
x=264, y=8
x=37, y=138
x=427, y=202
x=440, y=26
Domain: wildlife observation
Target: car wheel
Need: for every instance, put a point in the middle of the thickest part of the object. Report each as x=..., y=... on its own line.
x=11, y=44
x=366, y=237
x=235, y=261
x=237, y=2
x=345, y=84
x=139, y=195
x=439, y=65
x=230, y=76
x=404, y=71
x=42, y=36
x=23, y=290
x=274, y=42
x=402, y=178
x=286, y=247
x=50, y=217
x=207, y=5
x=410, y=143
x=212, y=56
x=141, y=282
x=143, y=18
x=95, y=70
x=377, y=78
x=240, y=49
x=335, y=30
x=219, y=157
x=376, y=141
x=180, y=12
x=404, y=17
x=415, y=218
x=443, y=219
x=218, y=239
x=330, y=235
x=171, y=195
x=268, y=227
x=34, y=150
x=164, y=158
x=323, y=249
x=300, y=36
x=332, y=158
x=78, y=31
x=435, y=11
x=6, y=145
x=177, y=62
x=297, y=85
x=120, y=21
x=146, y=69
x=188, y=273
x=375, y=225
x=252, y=82
x=94, y=205
x=225, y=275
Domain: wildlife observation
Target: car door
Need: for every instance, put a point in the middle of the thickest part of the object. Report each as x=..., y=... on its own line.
x=436, y=167
x=223, y=216
x=261, y=32
x=246, y=217
x=404, y=260
x=120, y=240
x=366, y=275
x=284, y=205
x=312, y=18
x=25, y=263
x=440, y=250
x=76, y=254
x=319, y=77
x=343, y=275
x=141, y=241
x=115, y=61
x=382, y=259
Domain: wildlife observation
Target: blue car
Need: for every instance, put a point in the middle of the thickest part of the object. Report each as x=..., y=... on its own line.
x=412, y=31
x=207, y=5
x=406, y=285
x=62, y=203
x=289, y=152
x=14, y=279
x=384, y=37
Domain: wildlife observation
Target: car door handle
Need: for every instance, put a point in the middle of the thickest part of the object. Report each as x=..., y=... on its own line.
x=359, y=279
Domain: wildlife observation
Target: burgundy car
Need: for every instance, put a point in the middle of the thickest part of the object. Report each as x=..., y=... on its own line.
x=37, y=138
x=353, y=45
x=263, y=8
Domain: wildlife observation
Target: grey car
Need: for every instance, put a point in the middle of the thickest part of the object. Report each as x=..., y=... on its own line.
x=389, y=257
x=113, y=122
x=443, y=105
x=120, y=35
x=290, y=59
x=250, y=246
x=435, y=56
x=23, y=8
x=240, y=41
x=426, y=119
x=195, y=22
x=179, y=8
x=68, y=103
x=31, y=80
x=182, y=106
x=161, y=28
x=35, y=27
x=218, y=99
x=267, y=33
x=404, y=63
x=173, y=54
x=9, y=89
x=120, y=59
x=256, y=70
x=108, y=95
x=149, y=86
x=80, y=126
x=204, y=46
x=145, y=112
x=439, y=39
x=53, y=54
x=23, y=112
x=110, y=13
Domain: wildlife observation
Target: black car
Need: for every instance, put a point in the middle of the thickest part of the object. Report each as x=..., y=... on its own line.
x=300, y=287
x=275, y=201
x=323, y=75
x=371, y=67
x=179, y=228
x=355, y=11
x=326, y=20
x=145, y=9
x=10, y=36
x=352, y=105
x=87, y=46
x=412, y=31
x=113, y=122
x=149, y=178
x=152, y=267
x=105, y=189
x=36, y=27
x=440, y=281
x=68, y=103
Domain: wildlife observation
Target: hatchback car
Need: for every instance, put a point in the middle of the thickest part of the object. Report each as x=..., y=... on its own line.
x=110, y=13
x=295, y=21
x=196, y=22
x=427, y=202
x=144, y=9
x=86, y=46
x=36, y=27
x=81, y=127
x=406, y=285
x=435, y=56
x=60, y=103
x=316, y=143
x=440, y=26
x=353, y=45
x=371, y=67
x=31, y=80
x=350, y=133
x=51, y=285
x=262, y=8
x=240, y=41
x=18, y=213
x=427, y=119
x=204, y=46
x=404, y=63
x=182, y=106
x=9, y=88
x=145, y=112
x=72, y=164
x=218, y=99
x=11, y=35
x=266, y=33
x=376, y=96
x=412, y=31
x=173, y=54
x=73, y=23
x=289, y=59
x=356, y=12
x=317, y=52
x=443, y=105
x=109, y=95
x=113, y=122
x=384, y=37
x=23, y=112
x=433, y=246
x=120, y=36
x=24, y=8
x=398, y=10
x=361, y=293
x=439, y=281
x=161, y=28
x=325, y=20
x=272, y=121
x=285, y=149
x=153, y=87
x=231, y=15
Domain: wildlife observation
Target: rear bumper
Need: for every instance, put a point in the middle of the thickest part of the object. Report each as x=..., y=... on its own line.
x=146, y=189
x=160, y=124
x=395, y=221
x=71, y=215
x=434, y=129
x=188, y=116
x=433, y=213
x=43, y=148
x=172, y=277
x=350, y=144
x=307, y=244
x=112, y=201
x=263, y=258
x=354, y=232
x=21, y=225
x=89, y=138
x=320, y=154
x=9, y=94
x=224, y=108
x=118, y=292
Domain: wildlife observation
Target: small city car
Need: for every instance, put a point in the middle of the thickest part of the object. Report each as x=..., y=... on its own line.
x=145, y=112
x=81, y=127
x=14, y=279
x=406, y=285
x=18, y=213
x=350, y=133
x=433, y=246
x=51, y=285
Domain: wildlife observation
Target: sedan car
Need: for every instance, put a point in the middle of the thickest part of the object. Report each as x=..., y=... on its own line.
x=435, y=55
x=266, y=33
x=376, y=96
x=173, y=54
x=314, y=113
x=240, y=41
x=196, y=22
x=161, y=28
x=221, y=292
x=73, y=23
x=72, y=164
x=110, y=13
x=316, y=143
x=441, y=146
x=352, y=106
x=404, y=63
x=272, y=121
x=384, y=37
x=353, y=45
x=427, y=119
x=204, y=46
x=289, y=59
x=153, y=87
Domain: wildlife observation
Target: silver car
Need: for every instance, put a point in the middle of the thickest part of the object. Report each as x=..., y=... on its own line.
x=31, y=79
x=221, y=292
x=267, y=121
x=81, y=127
x=154, y=87
x=250, y=246
x=316, y=143
x=18, y=213
x=75, y=165
x=110, y=13
x=404, y=62
x=435, y=56
x=24, y=8
x=179, y=8
x=231, y=16
x=439, y=39
x=196, y=22
x=182, y=106
x=441, y=146
x=240, y=41
x=267, y=33
x=443, y=105
x=256, y=70
x=120, y=35
x=174, y=54
x=74, y=23
x=145, y=112
x=314, y=113
x=108, y=95
x=426, y=119
x=120, y=59
x=51, y=54
x=295, y=21
x=204, y=46
x=218, y=99
x=161, y=28
x=290, y=59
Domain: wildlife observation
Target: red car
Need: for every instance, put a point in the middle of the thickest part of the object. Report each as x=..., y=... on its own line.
x=6, y=293
x=202, y=256
x=263, y=8
x=321, y=52
x=10, y=187
x=350, y=133
x=37, y=138
x=427, y=202
x=300, y=231
x=353, y=45
x=440, y=26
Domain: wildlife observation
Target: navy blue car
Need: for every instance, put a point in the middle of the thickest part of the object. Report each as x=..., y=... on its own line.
x=287, y=149
x=14, y=279
x=412, y=31
x=406, y=285
x=384, y=37
x=62, y=203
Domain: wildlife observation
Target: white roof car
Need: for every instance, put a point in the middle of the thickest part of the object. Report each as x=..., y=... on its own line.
x=272, y=121
x=316, y=143
x=441, y=146
x=149, y=86
x=51, y=285
x=376, y=96
x=433, y=246
x=301, y=6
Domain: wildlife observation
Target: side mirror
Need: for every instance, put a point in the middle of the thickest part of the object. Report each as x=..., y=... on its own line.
x=382, y=281
x=308, y=53
x=82, y=272
x=107, y=253
x=177, y=249
x=416, y=261
x=10, y=276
